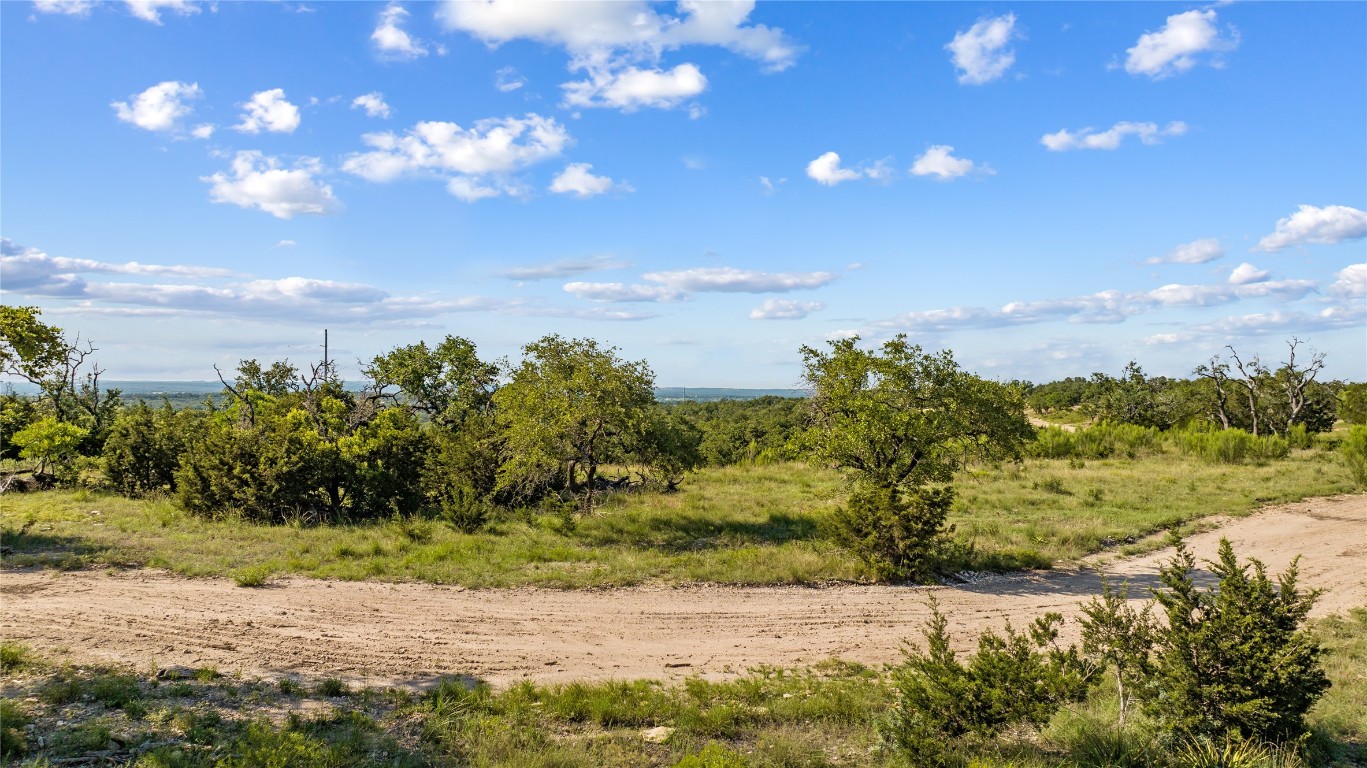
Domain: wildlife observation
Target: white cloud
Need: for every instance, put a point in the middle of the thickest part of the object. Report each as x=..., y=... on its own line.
x=785, y=309
x=1089, y=138
x=373, y=103
x=981, y=53
x=1196, y=252
x=65, y=7
x=507, y=79
x=826, y=170
x=622, y=292
x=270, y=111
x=1168, y=338
x=31, y=271
x=1329, y=225
x=1246, y=273
x=732, y=280
x=618, y=43
x=630, y=88
x=631, y=29
x=150, y=10
x=1351, y=282
x=577, y=180
x=285, y=244
x=259, y=182
x=391, y=39
x=202, y=131
x=566, y=268
x=1177, y=47
x=160, y=107
x=1109, y=306
x=476, y=162
x=940, y=161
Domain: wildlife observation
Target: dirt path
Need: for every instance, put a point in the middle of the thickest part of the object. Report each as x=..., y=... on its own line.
x=411, y=633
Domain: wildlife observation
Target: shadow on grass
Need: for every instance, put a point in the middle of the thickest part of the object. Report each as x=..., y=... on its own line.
x=27, y=550
x=693, y=532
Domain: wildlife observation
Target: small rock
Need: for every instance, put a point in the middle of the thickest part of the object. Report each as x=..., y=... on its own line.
x=657, y=735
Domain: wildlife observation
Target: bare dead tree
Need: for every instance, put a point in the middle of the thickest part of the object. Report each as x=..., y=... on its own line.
x=1218, y=372
x=249, y=412
x=1297, y=381
x=1252, y=372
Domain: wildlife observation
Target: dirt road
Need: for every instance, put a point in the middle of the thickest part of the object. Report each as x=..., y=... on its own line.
x=409, y=634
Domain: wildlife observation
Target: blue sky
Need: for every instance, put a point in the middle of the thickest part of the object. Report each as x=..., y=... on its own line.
x=1046, y=189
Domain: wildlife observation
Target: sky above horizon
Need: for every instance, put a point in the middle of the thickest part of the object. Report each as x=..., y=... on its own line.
x=1046, y=189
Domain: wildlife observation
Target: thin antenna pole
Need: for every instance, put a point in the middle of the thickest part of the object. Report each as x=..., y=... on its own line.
x=327, y=366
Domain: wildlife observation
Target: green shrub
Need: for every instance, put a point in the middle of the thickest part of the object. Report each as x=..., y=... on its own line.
x=1230, y=446
x=1234, y=661
x=332, y=688
x=1233, y=752
x=1018, y=679
x=1354, y=450
x=899, y=535
x=143, y=449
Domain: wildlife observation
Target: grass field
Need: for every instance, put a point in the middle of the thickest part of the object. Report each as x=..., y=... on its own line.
x=739, y=525
x=823, y=716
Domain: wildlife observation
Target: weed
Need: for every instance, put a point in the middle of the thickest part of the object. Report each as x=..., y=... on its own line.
x=332, y=688
x=252, y=576
x=14, y=656
x=290, y=687
x=13, y=718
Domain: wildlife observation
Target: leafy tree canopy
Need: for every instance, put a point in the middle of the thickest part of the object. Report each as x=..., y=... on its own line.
x=901, y=415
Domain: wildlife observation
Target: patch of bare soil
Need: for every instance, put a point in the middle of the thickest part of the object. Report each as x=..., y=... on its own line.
x=411, y=634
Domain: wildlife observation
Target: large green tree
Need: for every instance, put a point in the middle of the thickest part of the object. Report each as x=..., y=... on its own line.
x=901, y=420
x=568, y=408
x=902, y=416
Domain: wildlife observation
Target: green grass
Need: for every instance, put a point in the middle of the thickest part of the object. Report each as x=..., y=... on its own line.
x=738, y=525
x=826, y=715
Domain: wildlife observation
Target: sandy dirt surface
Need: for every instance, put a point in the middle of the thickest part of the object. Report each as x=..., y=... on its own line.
x=410, y=634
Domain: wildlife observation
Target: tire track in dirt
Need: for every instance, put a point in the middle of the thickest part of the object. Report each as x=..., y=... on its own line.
x=411, y=634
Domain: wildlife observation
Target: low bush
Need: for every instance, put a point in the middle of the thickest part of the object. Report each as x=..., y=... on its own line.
x=1354, y=452
x=900, y=535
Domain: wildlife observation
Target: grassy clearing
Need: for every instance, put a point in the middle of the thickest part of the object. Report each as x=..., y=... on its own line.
x=823, y=716
x=739, y=525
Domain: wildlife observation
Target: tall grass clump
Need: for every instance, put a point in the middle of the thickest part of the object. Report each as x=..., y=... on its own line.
x=1231, y=446
x=1100, y=441
x=1354, y=450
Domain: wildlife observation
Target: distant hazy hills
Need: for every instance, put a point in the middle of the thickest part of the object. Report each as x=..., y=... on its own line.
x=157, y=389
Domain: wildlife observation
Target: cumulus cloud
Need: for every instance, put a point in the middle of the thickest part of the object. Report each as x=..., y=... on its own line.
x=1180, y=45
x=826, y=170
x=269, y=111
x=785, y=309
x=373, y=103
x=202, y=131
x=1351, y=282
x=1246, y=273
x=981, y=54
x=159, y=108
x=732, y=280
x=507, y=79
x=566, y=268
x=618, y=44
x=150, y=10
x=476, y=162
x=64, y=7
x=390, y=38
x=622, y=292
x=630, y=88
x=257, y=181
x=1089, y=138
x=577, y=180
x=939, y=161
x=606, y=29
x=1329, y=225
x=1196, y=252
